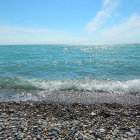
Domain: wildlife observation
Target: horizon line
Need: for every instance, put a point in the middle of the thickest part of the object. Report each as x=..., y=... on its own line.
x=78, y=44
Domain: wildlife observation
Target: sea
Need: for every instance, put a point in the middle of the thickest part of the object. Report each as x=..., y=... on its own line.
x=70, y=73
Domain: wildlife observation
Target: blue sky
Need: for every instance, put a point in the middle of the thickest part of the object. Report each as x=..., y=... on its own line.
x=69, y=21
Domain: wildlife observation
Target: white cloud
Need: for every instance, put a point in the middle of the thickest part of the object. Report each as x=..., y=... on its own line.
x=129, y=24
x=126, y=31
x=14, y=29
x=106, y=2
x=101, y=16
x=20, y=35
x=94, y=24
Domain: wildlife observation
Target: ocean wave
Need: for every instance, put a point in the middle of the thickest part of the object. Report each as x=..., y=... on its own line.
x=129, y=86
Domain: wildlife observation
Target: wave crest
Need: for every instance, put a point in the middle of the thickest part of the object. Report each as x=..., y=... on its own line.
x=130, y=86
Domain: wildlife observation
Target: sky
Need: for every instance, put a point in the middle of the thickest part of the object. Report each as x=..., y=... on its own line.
x=69, y=21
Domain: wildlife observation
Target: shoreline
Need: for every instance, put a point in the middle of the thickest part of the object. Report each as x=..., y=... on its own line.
x=70, y=96
x=40, y=120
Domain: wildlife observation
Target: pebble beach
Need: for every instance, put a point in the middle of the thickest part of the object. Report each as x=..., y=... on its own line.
x=70, y=92
x=69, y=69
x=36, y=120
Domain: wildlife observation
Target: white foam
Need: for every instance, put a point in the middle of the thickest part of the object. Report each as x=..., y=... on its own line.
x=130, y=86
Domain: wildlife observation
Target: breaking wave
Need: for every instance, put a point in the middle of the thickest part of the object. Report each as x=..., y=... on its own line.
x=129, y=86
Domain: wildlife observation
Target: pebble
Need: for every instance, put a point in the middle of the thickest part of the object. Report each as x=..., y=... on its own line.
x=125, y=136
x=93, y=114
x=129, y=134
x=102, y=130
x=133, y=131
x=42, y=121
x=116, y=132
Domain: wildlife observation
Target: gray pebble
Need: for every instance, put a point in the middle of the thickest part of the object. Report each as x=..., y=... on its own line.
x=129, y=134
x=133, y=131
x=116, y=131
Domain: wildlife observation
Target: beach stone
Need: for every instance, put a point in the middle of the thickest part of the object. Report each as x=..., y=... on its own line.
x=102, y=130
x=133, y=131
x=1, y=133
x=11, y=111
x=93, y=114
x=116, y=132
x=53, y=119
x=31, y=104
x=115, y=138
x=10, y=138
x=53, y=132
x=2, y=138
x=12, y=126
x=21, y=135
x=97, y=135
x=130, y=134
x=105, y=114
x=125, y=136
x=28, y=137
x=1, y=120
x=38, y=137
x=35, y=127
x=39, y=122
x=39, y=129
x=1, y=127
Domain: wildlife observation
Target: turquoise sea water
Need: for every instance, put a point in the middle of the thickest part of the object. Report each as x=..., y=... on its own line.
x=95, y=68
